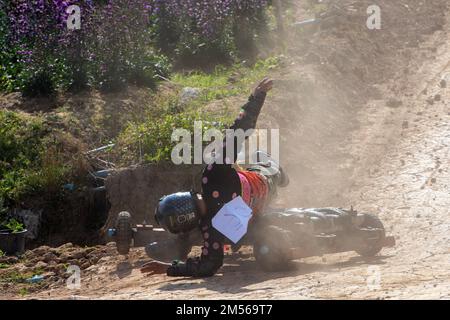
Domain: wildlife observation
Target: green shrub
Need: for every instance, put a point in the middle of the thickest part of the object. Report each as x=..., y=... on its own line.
x=150, y=141
x=12, y=225
x=10, y=65
x=6, y=223
x=29, y=160
x=40, y=54
x=20, y=140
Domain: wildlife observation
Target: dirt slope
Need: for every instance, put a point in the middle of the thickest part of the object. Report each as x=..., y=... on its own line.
x=393, y=161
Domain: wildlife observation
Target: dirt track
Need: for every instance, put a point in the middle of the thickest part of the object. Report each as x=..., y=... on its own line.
x=400, y=157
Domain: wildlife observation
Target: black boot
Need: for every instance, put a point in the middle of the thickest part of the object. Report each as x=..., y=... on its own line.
x=176, y=248
x=270, y=169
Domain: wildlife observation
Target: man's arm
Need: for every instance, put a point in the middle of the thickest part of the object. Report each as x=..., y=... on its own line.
x=246, y=119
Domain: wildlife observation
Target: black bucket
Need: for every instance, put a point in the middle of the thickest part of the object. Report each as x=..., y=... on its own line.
x=12, y=243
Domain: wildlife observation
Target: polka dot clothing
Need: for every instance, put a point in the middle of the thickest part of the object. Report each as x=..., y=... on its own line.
x=220, y=185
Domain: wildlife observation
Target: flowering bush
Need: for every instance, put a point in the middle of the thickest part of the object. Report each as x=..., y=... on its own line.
x=119, y=40
x=35, y=31
x=122, y=44
x=9, y=66
x=208, y=30
x=113, y=46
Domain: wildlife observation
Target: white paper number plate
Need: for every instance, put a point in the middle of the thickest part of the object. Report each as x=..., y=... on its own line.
x=232, y=219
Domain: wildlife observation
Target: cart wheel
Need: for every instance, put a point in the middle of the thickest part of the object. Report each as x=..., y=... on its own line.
x=124, y=233
x=373, y=246
x=271, y=249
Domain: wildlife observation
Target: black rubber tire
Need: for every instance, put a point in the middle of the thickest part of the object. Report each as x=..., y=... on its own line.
x=372, y=221
x=271, y=249
x=124, y=233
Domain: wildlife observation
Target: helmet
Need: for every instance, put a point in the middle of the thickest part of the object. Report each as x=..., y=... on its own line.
x=177, y=212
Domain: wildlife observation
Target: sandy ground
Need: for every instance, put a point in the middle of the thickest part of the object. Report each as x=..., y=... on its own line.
x=401, y=157
x=398, y=162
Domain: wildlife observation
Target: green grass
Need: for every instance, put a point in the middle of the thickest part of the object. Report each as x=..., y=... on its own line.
x=23, y=292
x=21, y=143
x=225, y=81
x=30, y=161
x=149, y=139
x=38, y=271
x=317, y=8
x=15, y=277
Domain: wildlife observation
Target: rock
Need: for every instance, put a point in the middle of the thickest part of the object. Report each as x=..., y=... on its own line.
x=52, y=268
x=188, y=94
x=28, y=254
x=40, y=265
x=49, y=256
x=394, y=103
x=41, y=251
x=312, y=58
x=443, y=83
x=91, y=268
x=94, y=260
x=71, y=256
x=48, y=274
x=233, y=78
x=85, y=265
x=79, y=298
x=55, y=251
x=64, y=257
x=89, y=250
x=110, y=252
x=9, y=260
x=65, y=246
x=77, y=255
x=73, y=262
x=12, y=260
x=20, y=268
x=54, y=262
x=103, y=260
x=60, y=268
